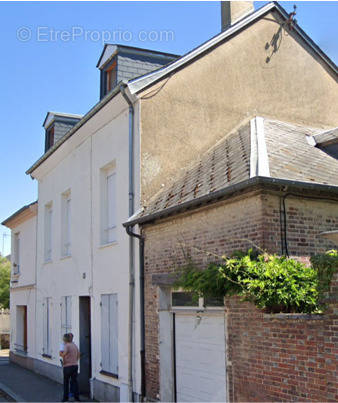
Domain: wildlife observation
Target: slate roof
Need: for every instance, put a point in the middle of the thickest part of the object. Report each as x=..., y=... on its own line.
x=292, y=157
x=227, y=163
x=289, y=155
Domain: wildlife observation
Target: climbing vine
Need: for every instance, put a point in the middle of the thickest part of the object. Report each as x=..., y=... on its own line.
x=273, y=283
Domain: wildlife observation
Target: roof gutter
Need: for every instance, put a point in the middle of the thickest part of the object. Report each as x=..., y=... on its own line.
x=86, y=117
x=229, y=191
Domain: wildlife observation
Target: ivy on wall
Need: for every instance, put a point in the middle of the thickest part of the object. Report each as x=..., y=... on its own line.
x=273, y=283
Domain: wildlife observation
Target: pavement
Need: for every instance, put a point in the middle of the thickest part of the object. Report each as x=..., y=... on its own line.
x=21, y=385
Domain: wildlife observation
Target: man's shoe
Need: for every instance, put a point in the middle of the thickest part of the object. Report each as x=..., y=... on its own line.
x=64, y=400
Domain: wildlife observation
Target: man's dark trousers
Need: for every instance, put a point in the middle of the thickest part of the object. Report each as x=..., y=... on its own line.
x=70, y=374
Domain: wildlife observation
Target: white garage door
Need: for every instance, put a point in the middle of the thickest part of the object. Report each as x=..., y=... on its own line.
x=200, y=358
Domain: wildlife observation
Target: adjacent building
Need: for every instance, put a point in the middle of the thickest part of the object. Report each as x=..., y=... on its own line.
x=23, y=226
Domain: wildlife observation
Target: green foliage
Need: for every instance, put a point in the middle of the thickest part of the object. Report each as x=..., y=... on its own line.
x=273, y=283
x=5, y=276
x=326, y=265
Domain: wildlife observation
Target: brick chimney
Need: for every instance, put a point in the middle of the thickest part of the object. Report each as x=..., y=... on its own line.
x=233, y=11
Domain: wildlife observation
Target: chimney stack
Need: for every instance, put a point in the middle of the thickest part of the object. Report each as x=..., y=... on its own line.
x=233, y=11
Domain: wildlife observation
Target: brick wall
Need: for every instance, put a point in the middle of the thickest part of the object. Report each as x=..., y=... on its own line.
x=282, y=357
x=225, y=227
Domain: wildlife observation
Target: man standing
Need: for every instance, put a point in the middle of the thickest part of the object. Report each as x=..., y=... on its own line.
x=70, y=356
x=62, y=349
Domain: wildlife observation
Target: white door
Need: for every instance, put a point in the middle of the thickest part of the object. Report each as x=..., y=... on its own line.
x=200, y=357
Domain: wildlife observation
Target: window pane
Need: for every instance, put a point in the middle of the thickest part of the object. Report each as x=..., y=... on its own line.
x=48, y=233
x=214, y=301
x=111, y=208
x=184, y=299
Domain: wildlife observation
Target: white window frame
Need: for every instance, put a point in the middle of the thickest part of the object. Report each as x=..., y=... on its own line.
x=16, y=260
x=48, y=239
x=108, y=205
x=66, y=315
x=66, y=218
x=47, y=330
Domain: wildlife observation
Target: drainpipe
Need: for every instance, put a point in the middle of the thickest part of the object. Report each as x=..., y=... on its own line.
x=131, y=246
x=142, y=318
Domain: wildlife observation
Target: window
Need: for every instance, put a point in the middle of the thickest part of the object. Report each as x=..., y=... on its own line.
x=16, y=262
x=66, y=224
x=109, y=229
x=49, y=142
x=66, y=315
x=109, y=334
x=48, y=232
x=182, y=299
x=47, y=332
x=111, y=76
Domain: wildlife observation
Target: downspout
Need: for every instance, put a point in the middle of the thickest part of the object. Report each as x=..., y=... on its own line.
x=131, y=246
x=142, y=318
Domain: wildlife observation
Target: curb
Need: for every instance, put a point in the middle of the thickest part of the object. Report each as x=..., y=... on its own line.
x=10, y=393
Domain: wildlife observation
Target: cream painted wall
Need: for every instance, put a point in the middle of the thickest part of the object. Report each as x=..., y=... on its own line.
x=23, y=291
x=27, y=236
x=76, y=166
x=23, y=296
x=208, y=98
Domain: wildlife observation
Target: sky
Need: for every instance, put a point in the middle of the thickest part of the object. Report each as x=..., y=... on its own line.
x=49, y=52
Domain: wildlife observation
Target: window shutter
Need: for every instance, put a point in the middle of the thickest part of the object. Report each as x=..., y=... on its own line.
x=113, y=319
x=48, y=233
x=16, y=254
x=105, y=333
x=49, y=327
x=45, y=324
x=63, y=316
x=111, y=207
x=67, y=237
x=68, y=314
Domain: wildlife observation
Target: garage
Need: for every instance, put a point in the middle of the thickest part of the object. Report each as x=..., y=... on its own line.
x=200, y=356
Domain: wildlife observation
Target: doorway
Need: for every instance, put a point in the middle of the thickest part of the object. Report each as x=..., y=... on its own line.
x=21, y=328
x=85, y=345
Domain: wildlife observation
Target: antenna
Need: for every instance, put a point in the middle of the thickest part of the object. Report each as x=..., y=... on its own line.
x=291, y=20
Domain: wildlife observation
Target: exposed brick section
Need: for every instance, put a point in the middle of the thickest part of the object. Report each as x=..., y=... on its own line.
x=280, y=357
x=271, y=357
x=306, y=219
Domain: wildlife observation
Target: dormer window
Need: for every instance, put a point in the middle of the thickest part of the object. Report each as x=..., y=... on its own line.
x=111, y=76
x=49, y=138
x=56, y=125
x=122, y=63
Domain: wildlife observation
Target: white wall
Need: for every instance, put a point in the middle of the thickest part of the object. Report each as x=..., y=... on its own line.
x=92, y=269
x=22, y=292
x=27, y=236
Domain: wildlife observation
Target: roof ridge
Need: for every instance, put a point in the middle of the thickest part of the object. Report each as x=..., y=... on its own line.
x=139, y=83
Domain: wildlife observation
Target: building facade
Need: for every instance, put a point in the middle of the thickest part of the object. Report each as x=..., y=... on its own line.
x=23, y=226
x=158, y=114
